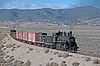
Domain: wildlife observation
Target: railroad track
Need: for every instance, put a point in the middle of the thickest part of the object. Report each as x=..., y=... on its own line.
x=78, y=52
x=88, y=54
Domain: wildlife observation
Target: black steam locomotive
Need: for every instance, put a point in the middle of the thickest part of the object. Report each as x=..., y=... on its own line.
x=61, y=41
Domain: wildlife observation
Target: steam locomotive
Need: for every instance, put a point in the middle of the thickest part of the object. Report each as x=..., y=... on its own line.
x=61, y=40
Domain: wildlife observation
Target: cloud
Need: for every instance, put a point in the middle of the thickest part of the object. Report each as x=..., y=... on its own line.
x=32, y=4
x=95, y=3
x=35, y=4
x=60, y=6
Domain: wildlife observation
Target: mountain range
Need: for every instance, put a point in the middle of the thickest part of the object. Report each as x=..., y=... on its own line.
x=78, y=14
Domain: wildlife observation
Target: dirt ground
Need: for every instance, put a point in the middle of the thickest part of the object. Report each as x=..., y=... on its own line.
x=21, y=54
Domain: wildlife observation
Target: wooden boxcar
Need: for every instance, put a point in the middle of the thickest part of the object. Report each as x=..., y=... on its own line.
x=20, y=35
x=25, y=36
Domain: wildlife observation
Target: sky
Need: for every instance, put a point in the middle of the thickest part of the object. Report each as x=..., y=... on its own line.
x=55, y=4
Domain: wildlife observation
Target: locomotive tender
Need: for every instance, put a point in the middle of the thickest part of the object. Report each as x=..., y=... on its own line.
x=59, y=40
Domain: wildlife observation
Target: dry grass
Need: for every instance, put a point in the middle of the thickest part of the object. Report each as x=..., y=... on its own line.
x=51, y=58
x=7, y=51
x=96, y=61
x=2, y=53
x=63, y=64
x=56, y=52
x=18, y=63
x=52, y=64
x=75, y=63
x=4, y=48
x=59, y=55
x=30, y=49
x=9, y=46
x=7, y=56
x=27, y=52
x=18, y=46
x=14, y=48
x=28, y=63
x=11, y=59
x=87, y=59
x=63, y=61
x=1, y=46
x=46, y=51
x=64, y=55
x=3, y=42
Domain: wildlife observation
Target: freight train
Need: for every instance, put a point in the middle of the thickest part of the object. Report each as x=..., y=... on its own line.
x=61, y=40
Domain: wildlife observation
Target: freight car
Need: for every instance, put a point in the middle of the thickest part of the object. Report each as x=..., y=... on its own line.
x=59, y=40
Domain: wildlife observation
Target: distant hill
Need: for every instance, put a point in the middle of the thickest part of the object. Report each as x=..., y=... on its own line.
x=78, y=14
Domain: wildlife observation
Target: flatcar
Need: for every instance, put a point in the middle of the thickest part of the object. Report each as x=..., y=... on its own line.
x=61, y=40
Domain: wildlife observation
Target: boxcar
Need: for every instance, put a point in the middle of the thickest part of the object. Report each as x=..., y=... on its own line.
x=17, y=35
x=25, y=36
x=20, y=35
x=33, y=37
x=30, y=36
x=37, y=37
